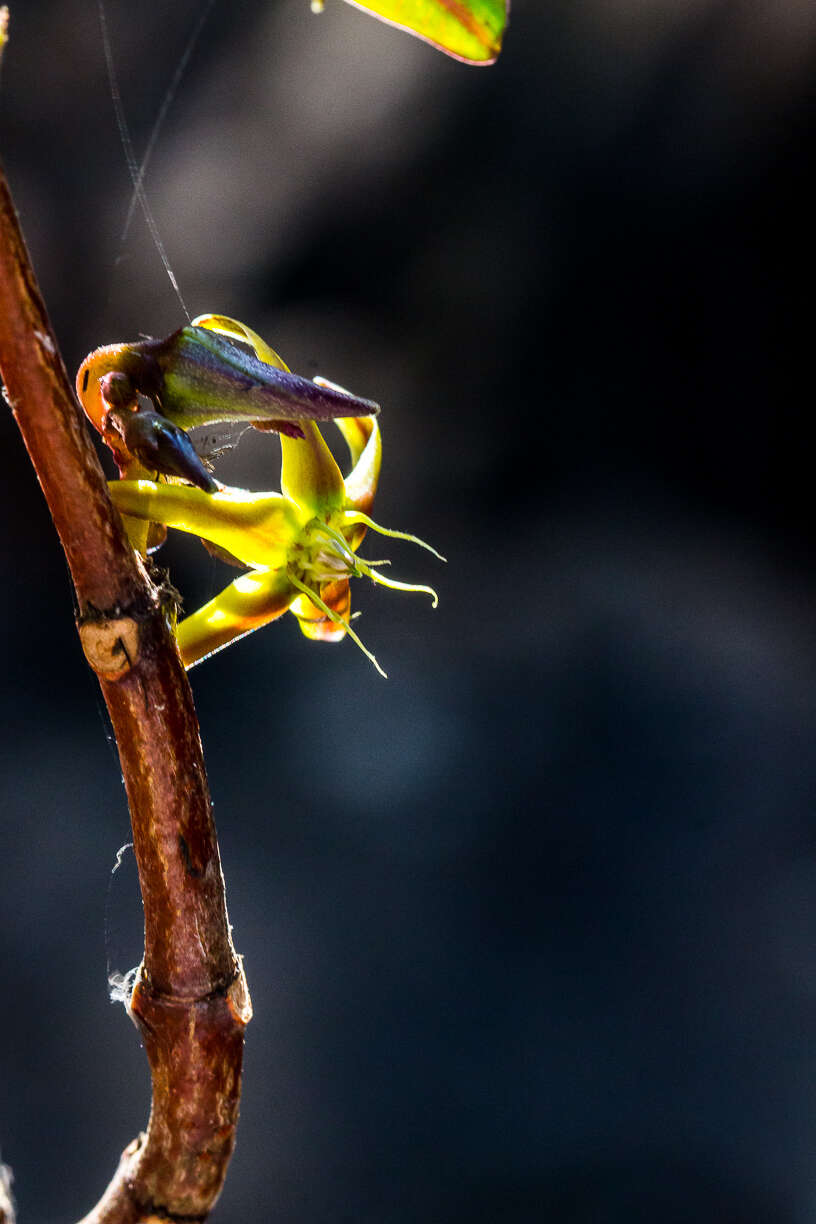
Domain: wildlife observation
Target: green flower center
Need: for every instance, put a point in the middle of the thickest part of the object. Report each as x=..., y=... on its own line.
x=321, y=554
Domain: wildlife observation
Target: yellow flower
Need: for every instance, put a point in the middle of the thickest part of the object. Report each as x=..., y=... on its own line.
x=300, y=545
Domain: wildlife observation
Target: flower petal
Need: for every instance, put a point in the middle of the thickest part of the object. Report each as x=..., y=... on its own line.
x=144, y=536
x=313, y=621
x=309, y=474
x=355, y=430
x=361, y=483
x=250, y=601
x=257, y=528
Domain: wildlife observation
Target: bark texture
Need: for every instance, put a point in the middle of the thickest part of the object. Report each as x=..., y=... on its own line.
x=190, y=998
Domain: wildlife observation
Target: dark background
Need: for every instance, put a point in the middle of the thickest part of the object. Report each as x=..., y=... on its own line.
x=530, y=927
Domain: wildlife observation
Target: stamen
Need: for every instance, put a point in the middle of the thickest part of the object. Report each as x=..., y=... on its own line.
x=357, y=516
x=335, y=619
x=377, y=577
x=336, y=538
x=326, y=567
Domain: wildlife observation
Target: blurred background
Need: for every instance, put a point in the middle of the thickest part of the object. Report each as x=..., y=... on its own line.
x=530, y=927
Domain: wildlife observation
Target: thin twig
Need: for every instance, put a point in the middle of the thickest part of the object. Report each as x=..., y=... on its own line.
x=190, y=999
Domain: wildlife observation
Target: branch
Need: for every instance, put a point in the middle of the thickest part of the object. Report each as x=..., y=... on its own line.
x=190, y=999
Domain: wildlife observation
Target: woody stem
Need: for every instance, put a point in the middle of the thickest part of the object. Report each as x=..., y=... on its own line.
x=190, y=998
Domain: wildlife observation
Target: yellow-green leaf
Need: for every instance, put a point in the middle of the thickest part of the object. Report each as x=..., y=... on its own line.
x=469, y=30
x=4, y=23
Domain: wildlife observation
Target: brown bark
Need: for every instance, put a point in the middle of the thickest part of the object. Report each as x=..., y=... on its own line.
x=190, y=999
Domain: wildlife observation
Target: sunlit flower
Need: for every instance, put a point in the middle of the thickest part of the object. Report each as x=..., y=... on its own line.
x=300, y=545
